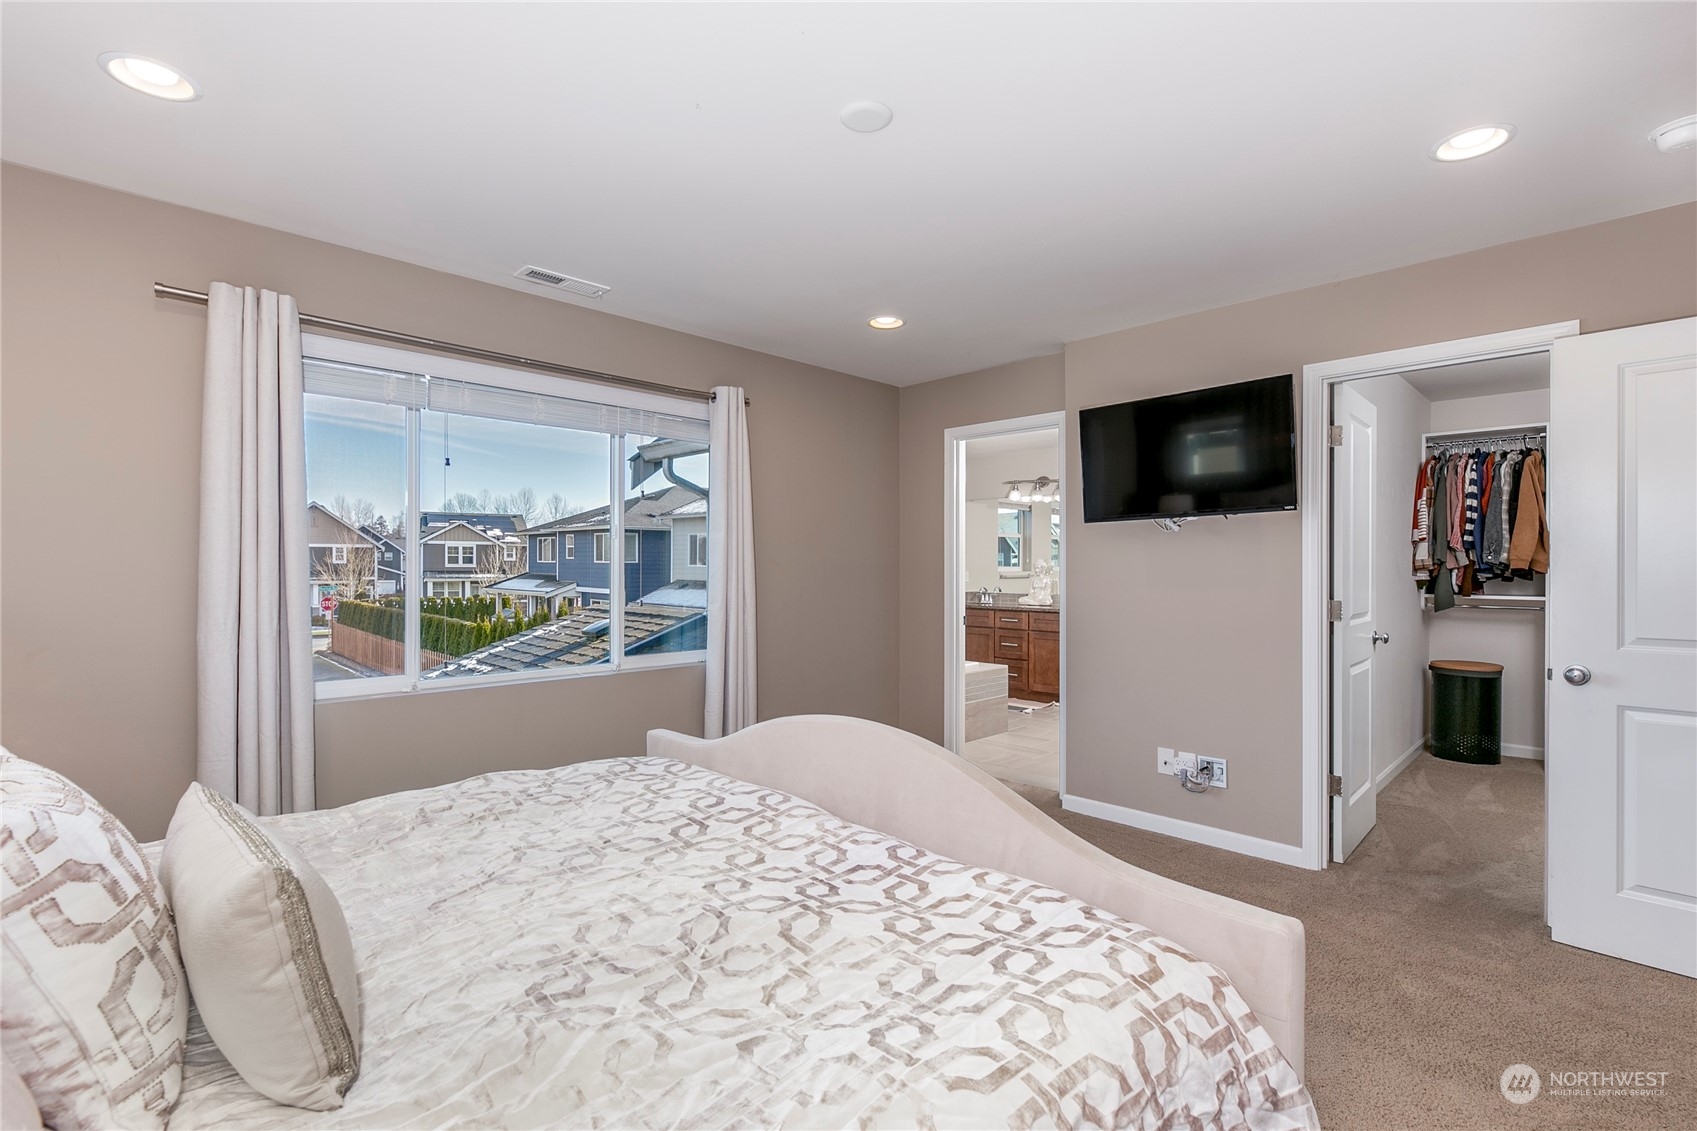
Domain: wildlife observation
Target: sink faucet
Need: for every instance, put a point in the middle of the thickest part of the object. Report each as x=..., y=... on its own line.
x=984, y=595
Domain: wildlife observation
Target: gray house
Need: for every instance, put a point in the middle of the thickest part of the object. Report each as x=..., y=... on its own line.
x=464, y=554
x=344, y=558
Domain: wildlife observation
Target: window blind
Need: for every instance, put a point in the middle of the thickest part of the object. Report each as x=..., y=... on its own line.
x=467, y=398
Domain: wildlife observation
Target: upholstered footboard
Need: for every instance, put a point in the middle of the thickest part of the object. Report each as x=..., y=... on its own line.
x=903, y=785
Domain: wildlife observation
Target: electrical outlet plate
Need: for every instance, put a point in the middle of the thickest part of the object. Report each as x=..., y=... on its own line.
x=1167, y=761
x=1218, y=781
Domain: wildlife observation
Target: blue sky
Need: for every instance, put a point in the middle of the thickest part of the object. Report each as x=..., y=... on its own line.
x=359, y=450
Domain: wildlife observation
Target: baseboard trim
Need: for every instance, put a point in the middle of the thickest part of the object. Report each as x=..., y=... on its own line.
x=1185, y=830
x=1404, y=760
x=1516, y=750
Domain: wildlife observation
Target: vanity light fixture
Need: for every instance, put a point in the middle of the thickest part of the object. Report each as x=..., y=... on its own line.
x=1475, y=141
x=1043, y=490
x=149, y=76
x=886, y=322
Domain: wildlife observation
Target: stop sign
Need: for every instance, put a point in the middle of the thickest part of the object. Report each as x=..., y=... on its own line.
x=328, y=604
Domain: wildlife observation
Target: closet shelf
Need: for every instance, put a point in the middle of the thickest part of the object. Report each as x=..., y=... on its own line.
x=1512, y=602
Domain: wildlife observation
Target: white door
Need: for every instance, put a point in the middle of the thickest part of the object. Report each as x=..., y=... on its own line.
x=1354, y=634
x=1622, y=745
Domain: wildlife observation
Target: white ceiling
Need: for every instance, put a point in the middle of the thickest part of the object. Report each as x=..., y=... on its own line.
x=1522, y=374
x=1054, y=171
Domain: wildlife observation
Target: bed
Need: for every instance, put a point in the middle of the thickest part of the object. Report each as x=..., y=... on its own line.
x=815, y=922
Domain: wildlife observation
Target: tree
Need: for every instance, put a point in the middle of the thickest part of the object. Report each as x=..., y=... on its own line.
x=493, y=566
x=359, y=512
x=524, y=504
x=557, y=506
x=352, y=578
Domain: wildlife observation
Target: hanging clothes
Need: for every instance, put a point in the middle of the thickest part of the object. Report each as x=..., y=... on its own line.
x=1529, y=545
x=1478, y=516
x=1421, y=524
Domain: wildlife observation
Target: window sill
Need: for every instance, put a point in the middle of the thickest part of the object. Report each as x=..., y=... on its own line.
x=398, y=689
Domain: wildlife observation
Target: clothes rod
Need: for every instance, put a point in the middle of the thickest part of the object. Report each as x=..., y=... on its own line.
x=181, y=294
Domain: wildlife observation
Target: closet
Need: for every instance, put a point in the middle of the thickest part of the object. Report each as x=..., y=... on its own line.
x=1486, y=602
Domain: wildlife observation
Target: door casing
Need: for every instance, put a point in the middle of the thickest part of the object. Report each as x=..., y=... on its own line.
x=1316, y=533
x=954, y=590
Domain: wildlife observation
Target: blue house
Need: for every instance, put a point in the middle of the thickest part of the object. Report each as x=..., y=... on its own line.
x=665, y=543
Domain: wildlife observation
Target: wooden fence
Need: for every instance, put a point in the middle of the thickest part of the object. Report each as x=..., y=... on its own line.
x=378, y=653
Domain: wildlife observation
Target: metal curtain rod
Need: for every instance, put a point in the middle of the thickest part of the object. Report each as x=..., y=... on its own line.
x=1483, y=441
x=160, y=290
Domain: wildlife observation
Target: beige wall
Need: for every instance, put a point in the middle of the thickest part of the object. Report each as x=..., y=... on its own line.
x=1021, y=388
x=100, y=430
x=1194, y=640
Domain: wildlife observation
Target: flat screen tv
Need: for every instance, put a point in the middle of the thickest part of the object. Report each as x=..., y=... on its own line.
x=1226, y=450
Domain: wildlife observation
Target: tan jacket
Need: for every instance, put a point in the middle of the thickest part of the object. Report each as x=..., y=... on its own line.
x=1529, y=544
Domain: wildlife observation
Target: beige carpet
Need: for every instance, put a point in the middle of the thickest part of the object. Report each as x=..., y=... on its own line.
x=1430, y=969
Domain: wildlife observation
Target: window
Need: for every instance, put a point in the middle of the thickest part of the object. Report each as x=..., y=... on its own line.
x=339, y=555
x=1013, y=526
x=698, y=549
x=424, y=443
x=571, y=547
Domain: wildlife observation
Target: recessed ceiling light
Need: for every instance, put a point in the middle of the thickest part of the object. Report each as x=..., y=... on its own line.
x=885, y=322
x=1474, y=142
x=149, y=76
x=866, y=117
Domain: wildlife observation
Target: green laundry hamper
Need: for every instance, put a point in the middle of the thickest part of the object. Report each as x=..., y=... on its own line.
x=1467, y=711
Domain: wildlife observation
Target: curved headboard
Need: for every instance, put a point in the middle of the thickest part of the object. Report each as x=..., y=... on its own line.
x=913, y=789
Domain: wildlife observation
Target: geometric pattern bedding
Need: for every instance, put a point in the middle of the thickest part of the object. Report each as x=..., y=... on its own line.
x=644, y=943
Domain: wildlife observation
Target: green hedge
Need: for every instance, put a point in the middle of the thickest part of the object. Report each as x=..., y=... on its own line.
x=449, y=636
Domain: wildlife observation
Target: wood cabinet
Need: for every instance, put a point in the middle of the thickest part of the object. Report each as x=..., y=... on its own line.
x=1028, y=641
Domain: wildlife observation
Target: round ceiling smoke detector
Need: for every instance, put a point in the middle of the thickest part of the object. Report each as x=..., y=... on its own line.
x=1681, y=133
x=866, y=117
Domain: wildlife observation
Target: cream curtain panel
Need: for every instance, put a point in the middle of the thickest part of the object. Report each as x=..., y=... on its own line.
x=730, y=569
x=255, y=622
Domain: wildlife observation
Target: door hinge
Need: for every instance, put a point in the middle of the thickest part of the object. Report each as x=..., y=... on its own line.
x=1334, y=435
x=1334, y=785
x=1334, y=610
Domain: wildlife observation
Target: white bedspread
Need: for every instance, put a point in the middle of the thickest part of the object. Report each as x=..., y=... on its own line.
x=643, y=943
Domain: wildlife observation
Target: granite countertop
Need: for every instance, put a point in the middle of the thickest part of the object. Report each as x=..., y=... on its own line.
x=1011, y=601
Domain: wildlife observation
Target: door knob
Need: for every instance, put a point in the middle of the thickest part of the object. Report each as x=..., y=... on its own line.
x=1577, y=675
x=1381, y=637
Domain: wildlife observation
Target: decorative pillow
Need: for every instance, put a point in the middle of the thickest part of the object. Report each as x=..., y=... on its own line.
x=96, y=1010
x=267, y=951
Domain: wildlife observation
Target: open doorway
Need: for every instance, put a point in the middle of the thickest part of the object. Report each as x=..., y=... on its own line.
x=1004, y=682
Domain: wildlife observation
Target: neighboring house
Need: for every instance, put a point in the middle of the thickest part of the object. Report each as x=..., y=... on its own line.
x=463, y=554
x=344, y=558
x=391, y=562
x=665, y=541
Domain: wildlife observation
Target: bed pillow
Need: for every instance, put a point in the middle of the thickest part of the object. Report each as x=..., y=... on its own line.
x=267, y=951
x=95, y=1007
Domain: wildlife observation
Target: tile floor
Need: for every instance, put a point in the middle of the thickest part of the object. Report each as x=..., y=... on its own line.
x=1030, y=752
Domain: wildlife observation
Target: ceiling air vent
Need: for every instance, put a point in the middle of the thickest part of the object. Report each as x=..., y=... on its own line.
x=561, y=282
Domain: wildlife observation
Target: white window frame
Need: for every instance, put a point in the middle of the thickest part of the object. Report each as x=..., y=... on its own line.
x=571, y=545
x=698, y=549
x=545, y=549
x=603, y=548
x=633, y=547
x=453, y=550
x=1023, y=569
x=338, y=554
x=320, y=347
x=509, y=552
